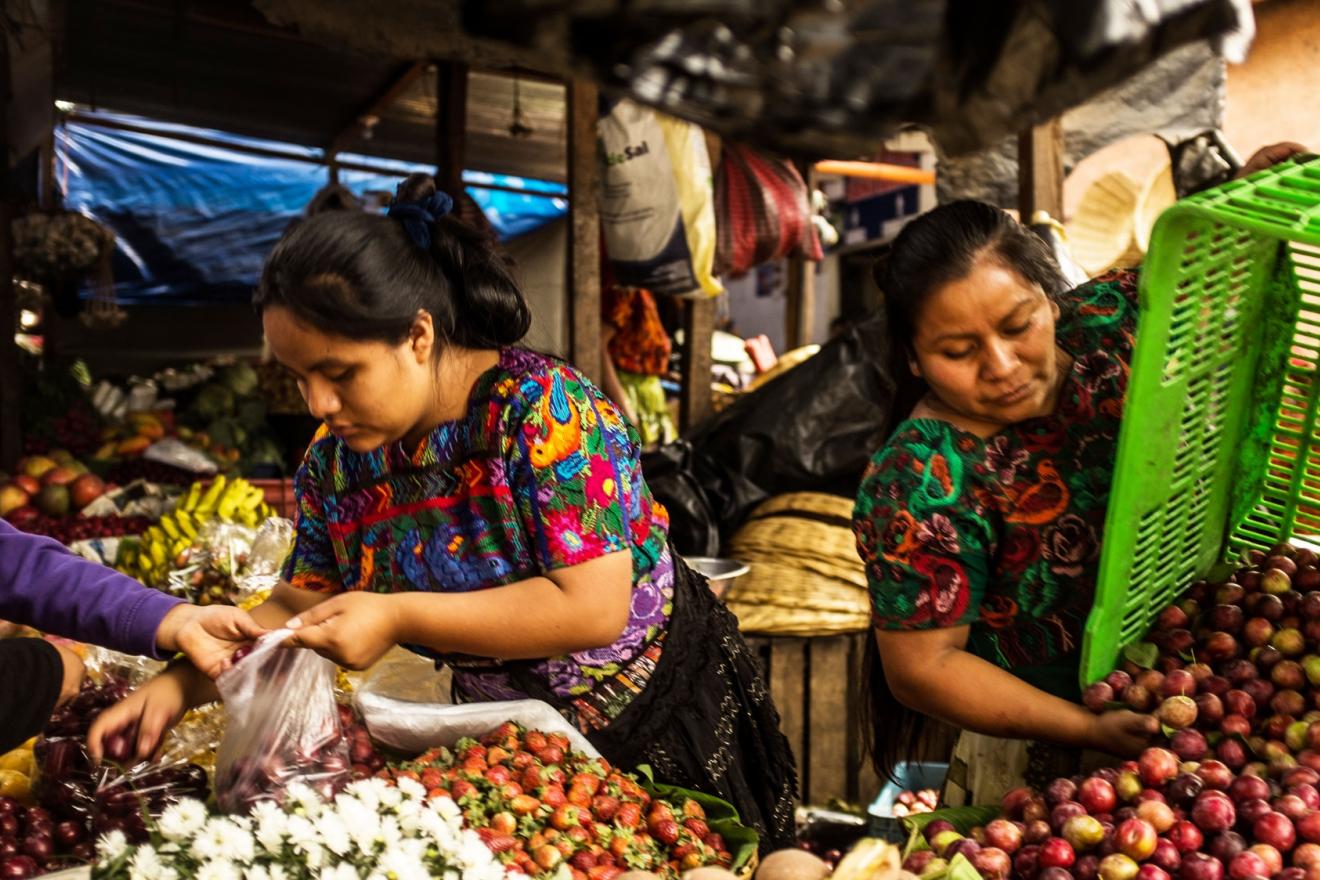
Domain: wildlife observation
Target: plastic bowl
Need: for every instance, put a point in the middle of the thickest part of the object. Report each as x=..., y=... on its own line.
x=721, y=573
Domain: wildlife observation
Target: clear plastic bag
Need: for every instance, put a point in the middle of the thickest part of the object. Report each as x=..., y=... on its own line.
x=229, y=562
x=413, y=728
x=283, y=728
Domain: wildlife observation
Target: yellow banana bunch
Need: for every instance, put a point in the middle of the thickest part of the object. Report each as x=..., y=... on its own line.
x=165, y=545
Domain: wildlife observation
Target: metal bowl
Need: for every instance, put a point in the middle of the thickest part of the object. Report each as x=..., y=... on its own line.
x=721, y=573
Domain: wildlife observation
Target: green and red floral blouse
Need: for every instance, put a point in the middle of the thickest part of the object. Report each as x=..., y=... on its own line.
x=542, y=473
x=1003, y=533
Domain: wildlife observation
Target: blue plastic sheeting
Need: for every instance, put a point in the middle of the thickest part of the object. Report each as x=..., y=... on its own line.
x=194, y=222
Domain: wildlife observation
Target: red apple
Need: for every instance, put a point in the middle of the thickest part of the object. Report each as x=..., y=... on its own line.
x=1166, y=856
x=1003, y=835
x=1216, y=775
x=1136, y=839
x=1160, y=815
x=1247, y=866
x=1157, y=766
x=1056, y=853
x=1276, y=830
x=1186, y=837
x=1273, y=859
x=1199, y=866
x=1214, y=812
x=1097, y=795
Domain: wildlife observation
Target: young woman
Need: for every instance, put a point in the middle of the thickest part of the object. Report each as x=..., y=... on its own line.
x=484, y=505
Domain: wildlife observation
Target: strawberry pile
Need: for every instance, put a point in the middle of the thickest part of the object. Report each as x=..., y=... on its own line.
x=537, y=804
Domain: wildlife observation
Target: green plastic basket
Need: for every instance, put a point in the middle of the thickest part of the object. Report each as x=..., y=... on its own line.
x=1214, y=454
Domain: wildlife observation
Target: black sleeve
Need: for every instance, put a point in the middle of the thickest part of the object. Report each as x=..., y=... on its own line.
x=31, y=674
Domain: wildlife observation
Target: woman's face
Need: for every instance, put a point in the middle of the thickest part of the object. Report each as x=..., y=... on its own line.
x=368, y=393
x=985, y=346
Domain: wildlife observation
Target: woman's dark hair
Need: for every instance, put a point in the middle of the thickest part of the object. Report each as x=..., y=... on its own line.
x=358, y=274
x=933, y=250
x=941, y=247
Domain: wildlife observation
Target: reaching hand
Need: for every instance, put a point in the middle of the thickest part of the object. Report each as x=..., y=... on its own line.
x=1273, y=154
x=353, y=629
x=208, y=636
x=1123, y=733
x=134, y=728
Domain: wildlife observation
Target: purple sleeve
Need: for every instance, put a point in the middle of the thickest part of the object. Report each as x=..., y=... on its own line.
x=44, y=585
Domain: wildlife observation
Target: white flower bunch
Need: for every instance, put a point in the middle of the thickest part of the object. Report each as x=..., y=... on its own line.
x=370, y=831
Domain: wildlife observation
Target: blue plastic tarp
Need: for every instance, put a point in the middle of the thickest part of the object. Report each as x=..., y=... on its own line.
x=195, y=221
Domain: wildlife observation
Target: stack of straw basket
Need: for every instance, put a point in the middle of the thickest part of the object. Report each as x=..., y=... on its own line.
x=806, y=578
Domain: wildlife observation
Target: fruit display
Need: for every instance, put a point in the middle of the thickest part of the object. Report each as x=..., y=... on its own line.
x=54, y=486
x=161, y=547
x=1232, y=673
x=82, y=800
x=538, y=804
x=81, y=528
x=17, y=767
x=32, y=842
x=911, y=803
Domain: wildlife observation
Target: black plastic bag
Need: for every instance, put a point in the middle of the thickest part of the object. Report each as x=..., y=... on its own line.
x=673, y=482
x=812, y=429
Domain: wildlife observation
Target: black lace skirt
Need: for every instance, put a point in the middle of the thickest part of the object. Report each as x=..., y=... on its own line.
x=705, y=720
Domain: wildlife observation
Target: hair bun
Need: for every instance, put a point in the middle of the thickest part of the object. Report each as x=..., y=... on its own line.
x=416, y=187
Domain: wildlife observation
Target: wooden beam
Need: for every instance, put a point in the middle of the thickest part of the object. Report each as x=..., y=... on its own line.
x=800, y=307
x=450, y=125
x=11, y=387
x=1040, y=170
x=582, y=290
x=402, y=80
x=695, y=399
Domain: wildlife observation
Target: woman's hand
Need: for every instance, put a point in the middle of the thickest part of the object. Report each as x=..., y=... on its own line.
x=207, y=636
x=1123, y=733
x=1269, y=156
x=352, y=629
x=143, y=716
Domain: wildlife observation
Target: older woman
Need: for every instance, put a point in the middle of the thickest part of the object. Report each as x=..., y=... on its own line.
x=980, y=521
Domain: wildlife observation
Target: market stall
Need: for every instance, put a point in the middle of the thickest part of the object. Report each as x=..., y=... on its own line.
x=374, y=774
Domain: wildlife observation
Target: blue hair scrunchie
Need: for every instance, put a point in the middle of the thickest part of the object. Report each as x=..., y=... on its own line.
x=417, y=217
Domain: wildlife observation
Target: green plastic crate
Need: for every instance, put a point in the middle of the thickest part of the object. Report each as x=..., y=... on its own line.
x=1215, y=450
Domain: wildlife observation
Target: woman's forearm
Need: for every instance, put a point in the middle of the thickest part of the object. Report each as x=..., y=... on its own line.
x=524, y=620
x=962, y=689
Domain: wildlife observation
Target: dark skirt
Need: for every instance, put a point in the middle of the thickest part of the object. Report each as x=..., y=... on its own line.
x=705, y=720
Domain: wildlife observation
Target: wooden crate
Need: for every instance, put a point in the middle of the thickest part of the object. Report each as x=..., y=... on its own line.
x=816, y=685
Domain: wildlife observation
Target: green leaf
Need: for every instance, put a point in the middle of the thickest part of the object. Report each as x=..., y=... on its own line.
x=1167, y=730
x=961, y=869
x=963, y=819
x=1144, y=654
x=721, y=817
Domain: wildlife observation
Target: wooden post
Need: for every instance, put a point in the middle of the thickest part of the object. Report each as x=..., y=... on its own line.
x=451, y=125
x=582, y=289
x=1040, y=170
x=11, y=434
x=800, y=308
x=695, y=401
